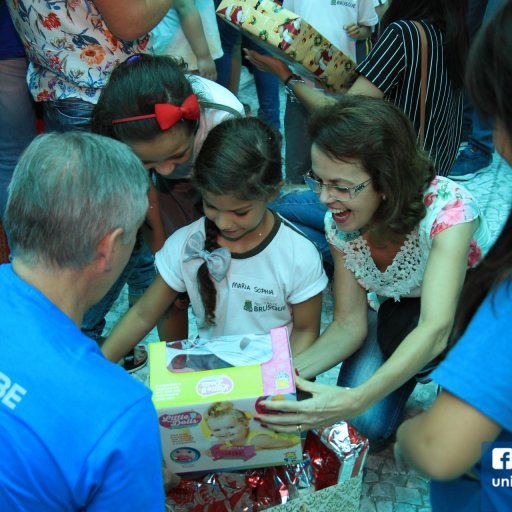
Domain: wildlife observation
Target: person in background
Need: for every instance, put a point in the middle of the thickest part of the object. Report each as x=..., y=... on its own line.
x=17, y=114
x=73, y=47
x=76, y=201
x=229, y=68
x=475, y=403
x=343, y=24
x=401, y=240
x=477, y=155
x=189, y=31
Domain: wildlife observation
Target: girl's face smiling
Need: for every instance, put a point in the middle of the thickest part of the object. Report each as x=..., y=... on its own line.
x=349, y=214
x=165, y=152
x=228, y=428
x=236, y=218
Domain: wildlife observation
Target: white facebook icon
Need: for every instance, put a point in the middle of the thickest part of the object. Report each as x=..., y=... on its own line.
x=502, y=458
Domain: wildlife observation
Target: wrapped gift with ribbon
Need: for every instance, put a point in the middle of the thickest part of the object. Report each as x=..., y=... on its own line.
x=289, y=37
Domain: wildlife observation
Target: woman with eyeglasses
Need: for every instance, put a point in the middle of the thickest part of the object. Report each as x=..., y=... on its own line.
x=401, y=240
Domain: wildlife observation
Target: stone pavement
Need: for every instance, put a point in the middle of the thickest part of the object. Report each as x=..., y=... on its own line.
x=385, y=488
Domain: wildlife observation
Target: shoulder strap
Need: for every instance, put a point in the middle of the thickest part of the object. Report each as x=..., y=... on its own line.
x=219, y=106
x=423, y=83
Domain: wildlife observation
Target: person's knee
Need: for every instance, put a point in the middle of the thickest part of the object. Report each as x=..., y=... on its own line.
x=374, y=426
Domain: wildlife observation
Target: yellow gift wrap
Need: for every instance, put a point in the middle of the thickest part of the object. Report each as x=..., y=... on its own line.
x=289, y=37
x=207, y=395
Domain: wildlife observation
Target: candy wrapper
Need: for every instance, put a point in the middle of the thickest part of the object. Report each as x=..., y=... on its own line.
x=290, y=38
x=328, y=478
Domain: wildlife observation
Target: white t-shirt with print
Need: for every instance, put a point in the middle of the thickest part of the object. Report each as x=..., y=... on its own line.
x=260, y=286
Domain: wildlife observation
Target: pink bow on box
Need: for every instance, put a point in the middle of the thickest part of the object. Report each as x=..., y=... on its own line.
x=167, y=115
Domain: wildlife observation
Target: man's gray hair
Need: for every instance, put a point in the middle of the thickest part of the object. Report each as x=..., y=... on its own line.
x=67, y=192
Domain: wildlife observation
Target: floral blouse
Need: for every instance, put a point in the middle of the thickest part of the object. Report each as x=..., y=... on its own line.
x=71, y=50
x=447, y=204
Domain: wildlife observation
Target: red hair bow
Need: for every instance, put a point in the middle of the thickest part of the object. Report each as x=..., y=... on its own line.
x=168, y=115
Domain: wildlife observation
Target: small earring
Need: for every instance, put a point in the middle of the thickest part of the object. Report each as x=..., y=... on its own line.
x=383, y=197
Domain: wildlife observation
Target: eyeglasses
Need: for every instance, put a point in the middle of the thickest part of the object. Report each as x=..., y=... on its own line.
x=334, y=191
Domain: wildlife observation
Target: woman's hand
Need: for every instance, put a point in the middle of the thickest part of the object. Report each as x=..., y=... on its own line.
x=268, y=64
x=328, y=405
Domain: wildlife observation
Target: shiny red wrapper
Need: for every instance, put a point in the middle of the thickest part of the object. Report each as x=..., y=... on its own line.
x=244, y=491
x=331, y=455
x=337, y=453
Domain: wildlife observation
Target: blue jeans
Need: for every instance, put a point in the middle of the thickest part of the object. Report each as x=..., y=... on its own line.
x=298, y=142
x=267, y=84
x=17, y=119
x=306, y=212
x=94, y=319
x=477, y=132
x=382, y=419
x=67, y=115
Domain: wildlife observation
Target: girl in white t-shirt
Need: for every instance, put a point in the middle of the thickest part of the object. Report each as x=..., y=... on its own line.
x=245, y=269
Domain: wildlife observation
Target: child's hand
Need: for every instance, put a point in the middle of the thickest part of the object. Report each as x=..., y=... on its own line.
x=353, y=30
x=206, y=68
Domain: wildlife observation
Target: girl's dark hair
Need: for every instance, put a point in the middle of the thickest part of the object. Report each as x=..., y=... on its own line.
x=449, y=16
x=134, y=87
x=489, y=76
x=382, y=138
x=240, y=157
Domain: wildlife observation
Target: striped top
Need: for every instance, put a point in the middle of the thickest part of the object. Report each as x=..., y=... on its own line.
x=394, y=67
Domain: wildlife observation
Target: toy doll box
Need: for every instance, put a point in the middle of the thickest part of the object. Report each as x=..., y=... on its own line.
x=207, y=393
x=290, y=38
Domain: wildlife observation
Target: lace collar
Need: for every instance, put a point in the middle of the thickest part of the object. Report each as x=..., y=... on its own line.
x=399, y=279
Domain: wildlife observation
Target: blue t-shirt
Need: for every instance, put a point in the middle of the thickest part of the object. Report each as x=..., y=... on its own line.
x=478, y=371
x=76, y=431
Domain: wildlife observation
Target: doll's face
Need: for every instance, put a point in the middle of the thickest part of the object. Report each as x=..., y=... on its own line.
x=228, y=428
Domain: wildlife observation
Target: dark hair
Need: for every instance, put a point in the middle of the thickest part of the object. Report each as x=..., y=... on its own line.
x=380, y=136
x=449, y=16
x=240, y=157
x=134, y=87
x=489, y=76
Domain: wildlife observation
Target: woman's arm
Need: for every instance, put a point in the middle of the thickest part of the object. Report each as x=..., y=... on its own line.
x=445, y=441
x=306, y=323
x=442, y=284
x=311, y=98
x=192, y=26
x=131, y=19
x=346, y=333
x=139, y=320
x=443, y=280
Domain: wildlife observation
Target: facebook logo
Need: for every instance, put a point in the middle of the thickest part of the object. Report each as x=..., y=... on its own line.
x=502, y=458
